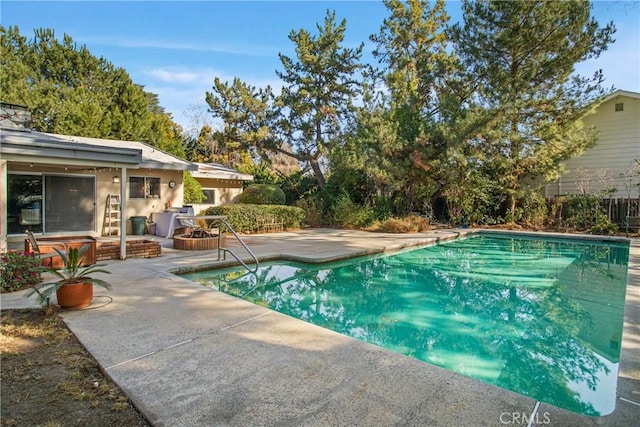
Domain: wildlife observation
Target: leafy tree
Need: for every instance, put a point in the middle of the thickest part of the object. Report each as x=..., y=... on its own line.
x=284, y=165
x=520, y=58
x=165, y=134
x=320, y=87
x=200, y=149
x=403, y=134
x=261, y=172
x=244, y=111
x=14, y=66
x=412, y=44
x=70, y=91
x=192, y=189
x=216, y=147
x=297, y=185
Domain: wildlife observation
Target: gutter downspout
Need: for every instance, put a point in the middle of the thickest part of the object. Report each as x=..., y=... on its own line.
x=123, y=210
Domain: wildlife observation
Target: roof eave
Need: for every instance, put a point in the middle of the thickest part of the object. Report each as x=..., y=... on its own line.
x=618, y=93
x=81, y=155
x=182, y=166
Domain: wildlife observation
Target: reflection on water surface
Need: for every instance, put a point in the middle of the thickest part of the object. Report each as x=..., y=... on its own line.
x=537, y=316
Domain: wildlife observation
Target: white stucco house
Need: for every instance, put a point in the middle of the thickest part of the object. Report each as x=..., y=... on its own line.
x=61, y=185
x=221, y=185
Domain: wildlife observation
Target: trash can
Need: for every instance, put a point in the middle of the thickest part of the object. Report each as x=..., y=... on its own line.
x=138, y=225
x=151, y=228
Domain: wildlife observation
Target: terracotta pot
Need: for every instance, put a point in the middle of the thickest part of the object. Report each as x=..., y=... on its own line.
x=75, y=295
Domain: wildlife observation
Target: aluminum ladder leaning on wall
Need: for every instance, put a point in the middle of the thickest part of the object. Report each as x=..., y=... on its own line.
x=112, y=216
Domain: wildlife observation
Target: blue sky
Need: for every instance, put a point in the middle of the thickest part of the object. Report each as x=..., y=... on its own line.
x=176, y=48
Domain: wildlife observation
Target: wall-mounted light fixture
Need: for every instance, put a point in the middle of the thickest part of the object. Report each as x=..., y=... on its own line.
x=116, y=180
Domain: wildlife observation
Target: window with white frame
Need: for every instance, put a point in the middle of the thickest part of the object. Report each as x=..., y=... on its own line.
x=144, y=187
x=209, y=196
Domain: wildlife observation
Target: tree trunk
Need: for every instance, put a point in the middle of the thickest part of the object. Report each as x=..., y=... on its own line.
x=512, y=205
x=315, y=167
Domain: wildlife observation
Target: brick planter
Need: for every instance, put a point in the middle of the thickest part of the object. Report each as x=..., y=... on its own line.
x=135, y=249
x=186, y=242
x=77, y=242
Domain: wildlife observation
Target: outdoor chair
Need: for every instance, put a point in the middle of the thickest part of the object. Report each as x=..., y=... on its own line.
x=188, y=223
x=267, y=223
x=35, y=248
x=195, y=227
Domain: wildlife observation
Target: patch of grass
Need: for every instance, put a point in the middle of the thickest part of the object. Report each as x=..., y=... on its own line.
x=49, y=379
x=408, y=224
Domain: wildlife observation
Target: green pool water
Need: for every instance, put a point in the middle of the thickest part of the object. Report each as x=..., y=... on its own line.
x=540, y=317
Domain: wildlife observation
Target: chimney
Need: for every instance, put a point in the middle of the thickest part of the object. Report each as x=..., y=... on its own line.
x=14, y=117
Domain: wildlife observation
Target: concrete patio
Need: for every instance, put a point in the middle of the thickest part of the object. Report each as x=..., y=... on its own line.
x=187, y=355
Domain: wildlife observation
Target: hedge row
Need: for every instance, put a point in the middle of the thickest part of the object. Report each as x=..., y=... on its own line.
x=244, y=218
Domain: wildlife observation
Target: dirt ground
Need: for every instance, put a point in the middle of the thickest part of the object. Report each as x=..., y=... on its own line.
x=49, y=379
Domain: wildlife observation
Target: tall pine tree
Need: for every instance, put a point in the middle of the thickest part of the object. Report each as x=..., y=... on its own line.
x=320, y=87
x=400, y=129
x=521, y=57
x=306, y=120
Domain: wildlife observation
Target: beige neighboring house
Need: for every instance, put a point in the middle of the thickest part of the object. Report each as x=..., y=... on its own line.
x=221, y=185
x=59, y=185
x=611, y=164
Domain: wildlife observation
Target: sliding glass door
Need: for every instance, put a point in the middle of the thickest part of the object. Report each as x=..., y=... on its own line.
x=24, y=203
x=51, y=203
x=70, y=203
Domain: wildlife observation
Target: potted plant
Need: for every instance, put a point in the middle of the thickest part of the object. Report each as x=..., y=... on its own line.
x=74, y=289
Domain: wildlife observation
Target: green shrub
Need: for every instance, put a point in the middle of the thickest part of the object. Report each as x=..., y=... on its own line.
x=314, y=212
x=383, y=207
x=346, y=213
x=583, y=211
x=263, y=194
x=15, y=271
x=192, y=189
x=299, y=185
x=244, y=218
x=534, y=209
x=603, y=226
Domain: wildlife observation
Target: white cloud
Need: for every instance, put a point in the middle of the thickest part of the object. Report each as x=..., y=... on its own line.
x=172, y=76
x=182, y=91
x=205, y=46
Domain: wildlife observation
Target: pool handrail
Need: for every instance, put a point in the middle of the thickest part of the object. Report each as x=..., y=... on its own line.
x=225, y=250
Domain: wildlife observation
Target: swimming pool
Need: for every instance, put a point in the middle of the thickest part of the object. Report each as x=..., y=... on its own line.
x=541, y=317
